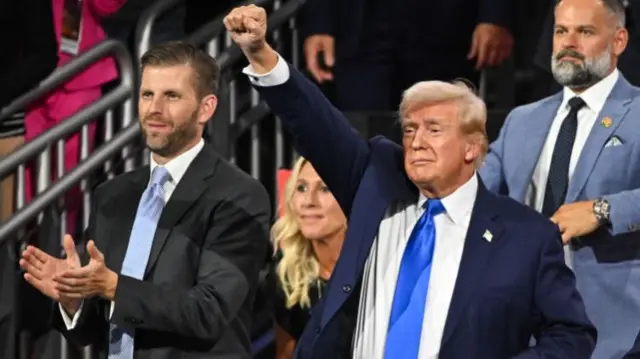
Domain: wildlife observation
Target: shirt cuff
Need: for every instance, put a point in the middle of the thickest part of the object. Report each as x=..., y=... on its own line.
x=112, y=306
x=69, y=322
x=277, y=76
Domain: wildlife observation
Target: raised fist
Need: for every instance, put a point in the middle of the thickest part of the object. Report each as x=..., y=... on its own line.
x=247, y=26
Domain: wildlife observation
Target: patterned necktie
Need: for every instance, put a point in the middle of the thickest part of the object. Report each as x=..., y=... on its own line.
x=137, y=256
x=407, y=311
x=558, y=180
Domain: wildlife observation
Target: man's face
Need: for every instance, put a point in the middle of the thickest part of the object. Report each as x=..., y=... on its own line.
x=435, y=149
x=169, y=109
x=586, y=43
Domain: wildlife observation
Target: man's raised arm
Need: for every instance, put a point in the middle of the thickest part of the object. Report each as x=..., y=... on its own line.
x=321, y=132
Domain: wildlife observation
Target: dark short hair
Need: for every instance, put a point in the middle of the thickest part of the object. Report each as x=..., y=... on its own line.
x=615, y=7
x=205, y=68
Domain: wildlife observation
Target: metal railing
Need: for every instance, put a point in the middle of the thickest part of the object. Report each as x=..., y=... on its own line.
x=86, y=166
x=41, y=147
x=78, y=122
x=144, y=27
x=63, y=74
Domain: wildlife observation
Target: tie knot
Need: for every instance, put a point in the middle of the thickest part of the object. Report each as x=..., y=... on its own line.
x=434, y=206
x=159, y=176
x=576, y=103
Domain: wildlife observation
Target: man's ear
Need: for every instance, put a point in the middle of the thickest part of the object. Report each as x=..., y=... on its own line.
x=208, y=106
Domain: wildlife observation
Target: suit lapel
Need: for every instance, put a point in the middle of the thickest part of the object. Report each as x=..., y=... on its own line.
x=476, y=255
x=369, y=208
x=120, y=213
x=532, y=140
x=615, y=108
x=186, y=194
x=377, y=190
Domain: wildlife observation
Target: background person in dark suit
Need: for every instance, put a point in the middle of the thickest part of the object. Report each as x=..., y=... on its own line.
x=187, y=286
x=497, y=274
x=374, y=49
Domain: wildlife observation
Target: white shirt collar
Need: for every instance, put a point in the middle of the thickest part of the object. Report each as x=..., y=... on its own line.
x=459, y=203
x=177, y=167
x=596, y=95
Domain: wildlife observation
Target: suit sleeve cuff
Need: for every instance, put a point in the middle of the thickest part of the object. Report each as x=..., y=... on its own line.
x=277, y=76
x=69, y=322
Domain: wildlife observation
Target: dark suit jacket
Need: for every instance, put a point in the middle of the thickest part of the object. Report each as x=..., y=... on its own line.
x=508, y=289
x=346, y=20
x=199, y=286
x=634, y=353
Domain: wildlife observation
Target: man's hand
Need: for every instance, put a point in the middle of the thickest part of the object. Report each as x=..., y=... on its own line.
x=575, y=220
x=313, y=46
x=248, y=28
x=93, y=279
x=41, y=268
x=490, y=45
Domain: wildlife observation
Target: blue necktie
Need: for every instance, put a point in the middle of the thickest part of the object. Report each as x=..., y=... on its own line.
x=407, y=311
x=138, y=251
x=558, y=180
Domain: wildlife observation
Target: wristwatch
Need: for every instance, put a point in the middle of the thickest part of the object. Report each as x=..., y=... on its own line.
x=602, y=210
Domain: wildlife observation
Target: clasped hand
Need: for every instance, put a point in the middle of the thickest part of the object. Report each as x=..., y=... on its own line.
x=66, y=280
x=575, y=220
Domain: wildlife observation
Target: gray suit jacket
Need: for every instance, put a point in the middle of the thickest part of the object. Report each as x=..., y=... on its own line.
x=606, y=262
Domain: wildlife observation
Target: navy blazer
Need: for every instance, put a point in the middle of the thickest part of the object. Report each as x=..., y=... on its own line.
x=508, y=289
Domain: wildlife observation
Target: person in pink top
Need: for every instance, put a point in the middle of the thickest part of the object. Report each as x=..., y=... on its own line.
x=77, y=28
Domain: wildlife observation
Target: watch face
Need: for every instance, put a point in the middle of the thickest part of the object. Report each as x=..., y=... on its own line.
x=601, y=209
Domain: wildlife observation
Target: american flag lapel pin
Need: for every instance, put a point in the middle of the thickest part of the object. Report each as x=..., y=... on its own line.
x=487, y=236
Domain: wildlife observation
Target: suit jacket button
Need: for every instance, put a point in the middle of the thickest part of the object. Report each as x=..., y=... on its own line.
x=346, y=288
x=318, y=330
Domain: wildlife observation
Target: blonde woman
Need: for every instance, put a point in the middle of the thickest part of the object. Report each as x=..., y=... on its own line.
x=308, y=238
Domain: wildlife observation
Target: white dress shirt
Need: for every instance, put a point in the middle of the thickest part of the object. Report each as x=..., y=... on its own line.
x=177, y=167
x=383, y=263
x=595, y=98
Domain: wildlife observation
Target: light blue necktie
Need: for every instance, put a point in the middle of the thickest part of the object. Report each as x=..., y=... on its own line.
x=410, y=296
x=138, y=251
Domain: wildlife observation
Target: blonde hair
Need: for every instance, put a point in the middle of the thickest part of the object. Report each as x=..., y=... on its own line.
x=473, y=111
x=298, y=269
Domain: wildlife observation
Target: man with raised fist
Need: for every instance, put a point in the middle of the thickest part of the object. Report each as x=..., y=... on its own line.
x=497, y=275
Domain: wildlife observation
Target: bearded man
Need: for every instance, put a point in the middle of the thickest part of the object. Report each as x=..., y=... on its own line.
x=575, y=157
x=174, y=249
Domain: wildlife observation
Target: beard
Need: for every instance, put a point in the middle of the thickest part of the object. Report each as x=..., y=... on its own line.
x=580, y=75
x=174, y=142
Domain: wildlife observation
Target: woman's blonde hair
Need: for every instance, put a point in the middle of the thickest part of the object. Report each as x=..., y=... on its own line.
x=473, y=111
x=298, y=269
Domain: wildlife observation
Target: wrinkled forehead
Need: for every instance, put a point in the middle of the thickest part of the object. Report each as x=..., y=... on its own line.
x=439, y=113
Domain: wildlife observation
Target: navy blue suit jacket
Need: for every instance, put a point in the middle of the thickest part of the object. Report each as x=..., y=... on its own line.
x=508, y=289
